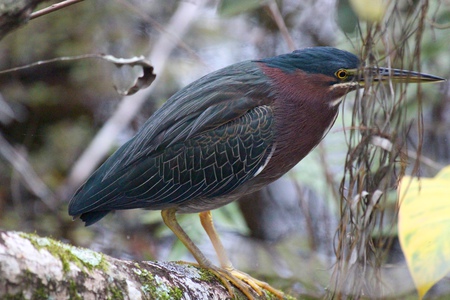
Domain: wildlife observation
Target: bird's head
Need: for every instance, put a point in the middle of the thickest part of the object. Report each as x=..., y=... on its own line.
x=329, y=73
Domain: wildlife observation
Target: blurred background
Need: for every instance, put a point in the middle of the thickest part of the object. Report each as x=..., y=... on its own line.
x=59, y=121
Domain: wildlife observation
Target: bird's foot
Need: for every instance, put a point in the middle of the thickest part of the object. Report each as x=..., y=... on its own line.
x=226, y=277
x=242, y=281
x=256, y=284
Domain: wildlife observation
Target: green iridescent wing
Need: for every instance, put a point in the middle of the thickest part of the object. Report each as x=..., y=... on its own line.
x=201, y=143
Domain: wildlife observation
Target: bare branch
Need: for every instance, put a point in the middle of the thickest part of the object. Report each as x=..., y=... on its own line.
x=278, y=18
x=53, y=8
x=29, y=176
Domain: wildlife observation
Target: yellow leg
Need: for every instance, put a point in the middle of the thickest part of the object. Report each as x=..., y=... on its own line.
x=225, y=263
x=225, y=276
x=208, y=225
x=169, y=218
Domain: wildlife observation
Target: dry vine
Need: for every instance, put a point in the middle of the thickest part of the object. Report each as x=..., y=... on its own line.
x=376, y=155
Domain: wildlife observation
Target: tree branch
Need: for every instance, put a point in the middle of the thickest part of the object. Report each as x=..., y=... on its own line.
x=41, y=268
x=32, y=181
x=53, y=8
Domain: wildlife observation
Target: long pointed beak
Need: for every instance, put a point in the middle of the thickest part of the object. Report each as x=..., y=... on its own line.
x=397, y=75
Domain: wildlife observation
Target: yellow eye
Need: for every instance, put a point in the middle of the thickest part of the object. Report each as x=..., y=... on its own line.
x=341, y=74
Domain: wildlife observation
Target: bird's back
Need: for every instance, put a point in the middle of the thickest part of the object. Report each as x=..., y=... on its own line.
x=206, y=140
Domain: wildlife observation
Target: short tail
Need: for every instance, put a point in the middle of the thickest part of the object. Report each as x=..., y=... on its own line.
x=92, y=217
x=79, y=206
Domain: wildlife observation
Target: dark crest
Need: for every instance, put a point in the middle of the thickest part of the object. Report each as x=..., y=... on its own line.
x=315, y=60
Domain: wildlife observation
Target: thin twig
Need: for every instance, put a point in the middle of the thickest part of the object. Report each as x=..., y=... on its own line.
x=29, y=176
x=52, y=60
x=53, y=8
x=162, y=30
x=278, y=18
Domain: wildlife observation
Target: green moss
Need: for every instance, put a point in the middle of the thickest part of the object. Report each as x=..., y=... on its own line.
x=206, y=275
x=40, y=291
x=146, y=278
x=177, y=293
x=83, y=258
x=154, y=287
x=116, y=293
x=73, y=291
x=19, y=296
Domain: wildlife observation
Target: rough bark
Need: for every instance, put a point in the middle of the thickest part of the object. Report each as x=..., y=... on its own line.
x=15, y=13
x=33, y=267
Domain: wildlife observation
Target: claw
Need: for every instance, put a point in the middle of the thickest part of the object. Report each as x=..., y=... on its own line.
x=227, y=277
x=243, y=281
x=248, y=285
x=257, y=285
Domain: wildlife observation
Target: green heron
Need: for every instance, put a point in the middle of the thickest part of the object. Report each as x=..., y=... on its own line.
x=227, y=134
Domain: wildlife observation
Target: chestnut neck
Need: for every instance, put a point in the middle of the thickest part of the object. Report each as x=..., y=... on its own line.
x=304, y=112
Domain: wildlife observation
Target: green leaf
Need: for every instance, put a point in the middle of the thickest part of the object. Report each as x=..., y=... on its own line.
x=424, y=228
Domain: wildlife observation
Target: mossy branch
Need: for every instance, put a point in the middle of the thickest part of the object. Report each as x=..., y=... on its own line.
x=33, y=267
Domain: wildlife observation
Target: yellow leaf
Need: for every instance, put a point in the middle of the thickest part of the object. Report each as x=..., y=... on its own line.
x=369, y=10
x=424, y=228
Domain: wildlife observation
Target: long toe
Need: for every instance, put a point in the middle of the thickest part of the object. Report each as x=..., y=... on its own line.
x=257, y=285
x=227, y=277
x=252, y=288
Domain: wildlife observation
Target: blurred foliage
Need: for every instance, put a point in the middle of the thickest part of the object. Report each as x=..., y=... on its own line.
x=346, y=17
x=227, y=8
x=369, y=11
x=58, y=109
